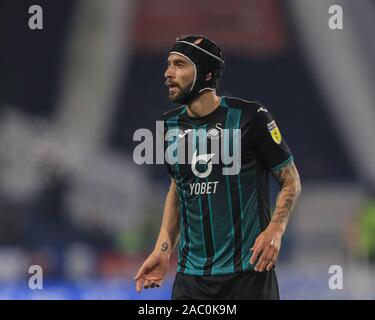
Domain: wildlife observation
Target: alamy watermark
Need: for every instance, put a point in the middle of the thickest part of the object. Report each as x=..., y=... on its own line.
x=336, y=20
x=190, y=147
x=335, y=282
x=36, y=20
x=36, y=279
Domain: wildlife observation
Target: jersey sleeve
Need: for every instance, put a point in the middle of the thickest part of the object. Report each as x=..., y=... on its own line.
x=269, y=144
x=169, y=170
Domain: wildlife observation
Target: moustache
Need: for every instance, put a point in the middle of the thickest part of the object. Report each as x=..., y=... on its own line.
x=169, y=83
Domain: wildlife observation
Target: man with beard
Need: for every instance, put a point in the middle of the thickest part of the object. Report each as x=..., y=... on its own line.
x=228, y=240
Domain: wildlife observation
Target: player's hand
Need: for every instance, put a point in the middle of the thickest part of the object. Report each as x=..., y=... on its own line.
x=266, y=248
x=152, y=272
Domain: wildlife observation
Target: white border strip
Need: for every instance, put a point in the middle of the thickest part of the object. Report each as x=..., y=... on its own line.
x=205, y=51
x=195, y=68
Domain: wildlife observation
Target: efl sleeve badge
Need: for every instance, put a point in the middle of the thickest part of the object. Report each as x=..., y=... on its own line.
x=274, y=131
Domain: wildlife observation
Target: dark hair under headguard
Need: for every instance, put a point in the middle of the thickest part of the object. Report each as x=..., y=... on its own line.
x=206, y=56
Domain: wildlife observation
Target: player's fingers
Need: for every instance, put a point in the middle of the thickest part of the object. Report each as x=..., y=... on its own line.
x=156, y=277
x=261, y=266
x=255, y=243
x=140, y=272
x=156, y=280
x=155, y=284
x=139, y=285
x=270, y=265
x=273, y=260
x=254, y=257
x=264, y=259
x=275, y=246
x=147, y=284
x=256, y=251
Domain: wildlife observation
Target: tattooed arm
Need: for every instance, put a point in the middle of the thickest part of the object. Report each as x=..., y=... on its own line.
x=267, y=245
x=290, y=189
x=170, y=226
x=152, y=272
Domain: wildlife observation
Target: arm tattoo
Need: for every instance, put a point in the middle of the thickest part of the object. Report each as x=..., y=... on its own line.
x=290, y=189
x=164, y=246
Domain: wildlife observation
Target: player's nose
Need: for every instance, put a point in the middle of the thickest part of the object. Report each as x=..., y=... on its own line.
x=168, y=74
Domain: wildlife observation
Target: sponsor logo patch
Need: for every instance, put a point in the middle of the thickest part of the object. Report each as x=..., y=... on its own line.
x=274, y=131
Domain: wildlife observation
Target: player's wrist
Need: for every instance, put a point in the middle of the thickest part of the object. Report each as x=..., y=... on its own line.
x=161, y=255
x=277, y=226
x=164, y=249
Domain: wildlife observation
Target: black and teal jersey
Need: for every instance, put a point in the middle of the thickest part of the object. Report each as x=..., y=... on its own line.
x=222, y=214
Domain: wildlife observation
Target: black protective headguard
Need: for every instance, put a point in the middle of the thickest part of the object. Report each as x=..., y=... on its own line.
x=206, y=56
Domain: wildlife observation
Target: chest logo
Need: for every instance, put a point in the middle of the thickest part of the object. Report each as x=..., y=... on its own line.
x=181, y=135
x=215, y=133
x=202, y=158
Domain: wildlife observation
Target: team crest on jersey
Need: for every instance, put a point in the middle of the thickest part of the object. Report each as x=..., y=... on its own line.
x=215, y=133
x=274, y=131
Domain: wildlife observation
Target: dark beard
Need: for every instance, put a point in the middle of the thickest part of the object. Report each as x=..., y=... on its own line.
x=184, y=97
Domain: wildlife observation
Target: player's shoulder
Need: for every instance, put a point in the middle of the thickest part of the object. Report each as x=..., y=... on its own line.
x=172, y=113
x=247, y=106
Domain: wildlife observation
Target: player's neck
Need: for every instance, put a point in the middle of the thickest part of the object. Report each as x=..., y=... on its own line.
x=204, y=104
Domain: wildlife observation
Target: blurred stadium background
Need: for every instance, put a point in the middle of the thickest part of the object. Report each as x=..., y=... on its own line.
x=73, y=201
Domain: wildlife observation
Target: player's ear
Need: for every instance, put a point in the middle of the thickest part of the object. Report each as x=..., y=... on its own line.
x=209, y=76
